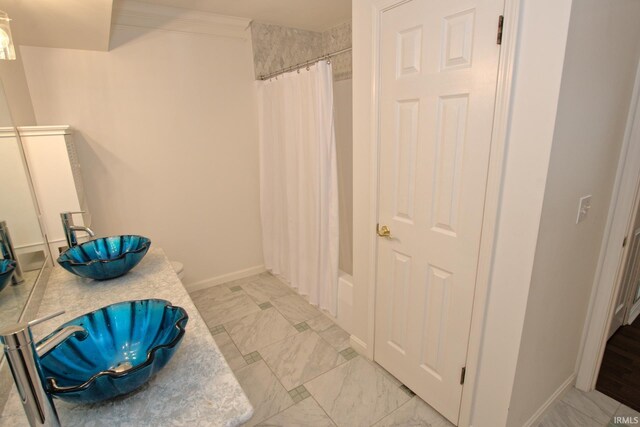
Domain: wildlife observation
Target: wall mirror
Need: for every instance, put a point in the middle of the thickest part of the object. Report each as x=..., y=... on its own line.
x=21, y=235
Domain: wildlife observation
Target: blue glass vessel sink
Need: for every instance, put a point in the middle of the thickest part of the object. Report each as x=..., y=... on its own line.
x=126, y=344
x=105, y=258
x=6, y=271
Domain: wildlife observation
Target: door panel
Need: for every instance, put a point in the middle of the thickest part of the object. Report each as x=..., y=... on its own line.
x=438, y=74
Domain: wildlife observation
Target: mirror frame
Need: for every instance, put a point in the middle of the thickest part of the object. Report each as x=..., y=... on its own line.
x=32, y=303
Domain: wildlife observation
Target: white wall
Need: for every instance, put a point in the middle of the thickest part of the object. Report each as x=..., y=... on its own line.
x=343, y=106
x=602, y=53
x=536, y=89
x=363, y=288
x=5, y=113
x=16, y=203
x=61, y=23
x=16, y=92
x=166, y=129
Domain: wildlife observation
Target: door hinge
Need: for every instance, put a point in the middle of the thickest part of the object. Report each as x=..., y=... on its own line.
x=500, y=26
x=463, y=374
x=624, y=242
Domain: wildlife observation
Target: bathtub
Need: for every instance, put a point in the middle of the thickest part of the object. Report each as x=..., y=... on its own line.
x=345, y=302
x=344, y=309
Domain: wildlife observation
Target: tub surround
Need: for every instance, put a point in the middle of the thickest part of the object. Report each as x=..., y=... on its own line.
x=196, y=387
x=276, y=47
x=334, y=40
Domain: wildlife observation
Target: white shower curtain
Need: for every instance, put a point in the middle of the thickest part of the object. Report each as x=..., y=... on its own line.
x=298, y=182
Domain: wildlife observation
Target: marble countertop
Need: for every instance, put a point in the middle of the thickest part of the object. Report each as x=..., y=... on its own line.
x=196, y=388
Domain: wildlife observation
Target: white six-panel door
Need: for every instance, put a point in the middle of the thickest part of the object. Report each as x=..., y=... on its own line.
x=438, y=72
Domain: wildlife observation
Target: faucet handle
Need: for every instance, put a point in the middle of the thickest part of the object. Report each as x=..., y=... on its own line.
x=45, y=318
x=62, y=214
x=19, y=334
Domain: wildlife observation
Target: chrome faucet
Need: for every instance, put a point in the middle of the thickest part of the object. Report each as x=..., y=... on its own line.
x=8, y=252
x=23, y=358
x=70, y=229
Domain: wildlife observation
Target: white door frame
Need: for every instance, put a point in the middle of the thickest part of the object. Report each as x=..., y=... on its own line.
x=494, y=183
x=632, y=310
x=607, y=281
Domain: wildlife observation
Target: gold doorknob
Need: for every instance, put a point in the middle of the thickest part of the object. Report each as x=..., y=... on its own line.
x=383, y=231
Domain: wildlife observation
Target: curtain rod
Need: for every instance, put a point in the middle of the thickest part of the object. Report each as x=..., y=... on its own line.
x=303, y=64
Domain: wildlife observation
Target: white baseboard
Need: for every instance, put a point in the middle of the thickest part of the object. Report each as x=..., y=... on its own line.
x=556, y=396
x=634, y=313
x=344, y=317
x=358, y=345
x=224, y=278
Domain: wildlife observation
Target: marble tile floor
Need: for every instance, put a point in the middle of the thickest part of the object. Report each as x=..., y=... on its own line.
x=580, y=409
x=297, y=368
x=296, y=365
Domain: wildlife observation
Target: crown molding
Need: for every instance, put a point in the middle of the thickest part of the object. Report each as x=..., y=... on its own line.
x=132, y=13
x=7, y=132
x=45, y=130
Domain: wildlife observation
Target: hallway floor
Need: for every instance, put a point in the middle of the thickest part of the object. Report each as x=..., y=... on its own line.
x=620, y=371
x=593, y=409
x=297, y=368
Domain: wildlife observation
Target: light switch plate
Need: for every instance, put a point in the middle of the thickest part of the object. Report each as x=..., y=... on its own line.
x=583, y=208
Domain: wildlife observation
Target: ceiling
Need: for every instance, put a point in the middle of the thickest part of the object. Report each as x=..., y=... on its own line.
x=75, y=24
x=86, y=24
x=313, y=15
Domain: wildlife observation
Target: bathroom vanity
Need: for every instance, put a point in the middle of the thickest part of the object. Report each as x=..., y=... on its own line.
x=197, y=387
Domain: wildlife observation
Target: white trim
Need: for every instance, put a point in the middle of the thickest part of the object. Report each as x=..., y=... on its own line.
x=7, y=132
x=131, y=13
x=501, y=119
x=29, y=245
x=555, y=397
x=634, y=313
x=632, y=310
x=45, y=130
x=224, y=278
x=492, y=197
x=344, y=317
x=358, y=345
x=607, y=282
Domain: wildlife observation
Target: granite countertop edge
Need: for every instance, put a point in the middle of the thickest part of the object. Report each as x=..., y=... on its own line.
x=209, y=393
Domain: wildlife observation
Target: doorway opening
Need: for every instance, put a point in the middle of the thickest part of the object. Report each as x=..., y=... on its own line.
x=610, y=361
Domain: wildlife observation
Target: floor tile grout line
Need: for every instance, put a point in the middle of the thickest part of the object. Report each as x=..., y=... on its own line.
x=295, y=292
x=245, y=316
x=366, y=360
x=242, y=291
x=329, y=344
x=587, y=415
x=311, y=396
x=275, y=342
x=311, y=379
x=326, y=372
x=279, y=382
x=285, y=317
x=344, y=359
x=397, y=409
x=236, y=347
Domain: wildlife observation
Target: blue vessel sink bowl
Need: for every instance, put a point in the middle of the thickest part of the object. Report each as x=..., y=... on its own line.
x=105, y=258
x=6, y=271
x=126, y=344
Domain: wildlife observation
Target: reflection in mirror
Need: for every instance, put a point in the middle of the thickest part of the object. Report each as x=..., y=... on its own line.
x=20, y=234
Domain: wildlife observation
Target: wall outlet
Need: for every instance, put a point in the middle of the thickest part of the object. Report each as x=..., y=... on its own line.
x=583, y=208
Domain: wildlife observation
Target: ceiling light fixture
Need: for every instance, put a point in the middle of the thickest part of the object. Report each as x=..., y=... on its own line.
x=7, y=51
